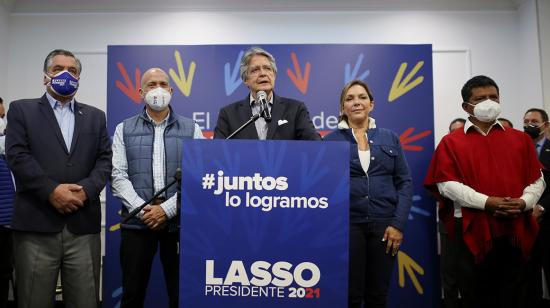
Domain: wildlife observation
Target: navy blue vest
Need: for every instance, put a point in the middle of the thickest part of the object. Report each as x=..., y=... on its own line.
x=139, y=134
x=7, y=193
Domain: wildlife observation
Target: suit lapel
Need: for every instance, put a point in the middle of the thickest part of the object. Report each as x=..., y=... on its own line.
x=277, y=111
x=245, y=112
x=47, y=110
x=78, y=119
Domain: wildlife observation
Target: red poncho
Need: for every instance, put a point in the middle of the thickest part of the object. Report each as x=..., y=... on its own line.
x=501, y=164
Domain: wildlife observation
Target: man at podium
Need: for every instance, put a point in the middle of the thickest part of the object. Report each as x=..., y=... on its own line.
x=277, y=117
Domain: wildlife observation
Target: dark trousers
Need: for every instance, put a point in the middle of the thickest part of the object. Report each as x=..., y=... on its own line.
x=6, y=264
x=137, y=250
x=498, y=281
x=449, y=269
x=540, y=260
x=370, y=267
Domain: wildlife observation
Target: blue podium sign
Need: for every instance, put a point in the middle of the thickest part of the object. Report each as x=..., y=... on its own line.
x=264, y=224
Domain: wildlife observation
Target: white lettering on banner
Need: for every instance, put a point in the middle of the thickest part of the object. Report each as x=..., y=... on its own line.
x=202, y=119
x=256, y=182
x=267, y=203
x=322, y=123
x=267, y=280
x=259, y=184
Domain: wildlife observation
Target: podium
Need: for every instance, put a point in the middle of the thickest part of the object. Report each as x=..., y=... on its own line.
x=264, y=224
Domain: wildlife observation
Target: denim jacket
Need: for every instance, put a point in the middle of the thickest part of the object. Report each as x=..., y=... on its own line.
x=384, y=193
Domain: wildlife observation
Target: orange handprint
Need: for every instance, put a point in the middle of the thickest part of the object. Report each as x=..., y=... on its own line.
x=299, y=80
x=130, y=90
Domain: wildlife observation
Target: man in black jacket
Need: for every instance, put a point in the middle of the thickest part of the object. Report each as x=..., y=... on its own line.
x=289, y=118
x=59, y=152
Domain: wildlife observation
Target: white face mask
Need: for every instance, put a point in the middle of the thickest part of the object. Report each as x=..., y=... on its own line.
x=158, y=98
x=486, y=111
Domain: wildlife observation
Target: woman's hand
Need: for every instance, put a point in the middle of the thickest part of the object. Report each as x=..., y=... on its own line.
x=393, y=237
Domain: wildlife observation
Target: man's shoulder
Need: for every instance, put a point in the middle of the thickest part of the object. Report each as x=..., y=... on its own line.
x=234, y=105
x=515, y=132
x=514, y=135
x=184, y=119
x=26, y=102
x=289, y=101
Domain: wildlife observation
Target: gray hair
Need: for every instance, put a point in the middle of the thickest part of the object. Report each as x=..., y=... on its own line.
x=253, y=51
x=57, y=52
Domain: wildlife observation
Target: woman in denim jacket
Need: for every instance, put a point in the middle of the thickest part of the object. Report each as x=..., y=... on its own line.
x=380, y=196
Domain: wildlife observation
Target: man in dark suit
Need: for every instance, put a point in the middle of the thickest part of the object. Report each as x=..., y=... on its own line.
x=289, y=118
x=535, y=123
x=60, y=155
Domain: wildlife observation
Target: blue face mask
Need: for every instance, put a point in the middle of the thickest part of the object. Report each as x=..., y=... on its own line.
x=63, y=83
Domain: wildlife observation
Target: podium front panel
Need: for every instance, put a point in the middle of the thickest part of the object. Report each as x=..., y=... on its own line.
x=264, y=224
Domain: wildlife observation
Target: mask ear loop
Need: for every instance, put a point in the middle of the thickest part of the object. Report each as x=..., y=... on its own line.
x=468, y=103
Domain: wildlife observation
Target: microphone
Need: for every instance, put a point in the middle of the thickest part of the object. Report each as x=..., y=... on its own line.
x=264, y=108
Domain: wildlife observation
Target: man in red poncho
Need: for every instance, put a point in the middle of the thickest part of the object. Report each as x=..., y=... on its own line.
x=488, y=179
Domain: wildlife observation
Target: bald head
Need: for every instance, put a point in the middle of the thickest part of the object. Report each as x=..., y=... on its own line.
x=154, y=73
x=154, y=78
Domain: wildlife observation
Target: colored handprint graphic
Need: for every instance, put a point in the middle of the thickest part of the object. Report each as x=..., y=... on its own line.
x=129, y=89
x=409, y=265
x=183, y=82
x=299, y=80
x=232, y=78
x=401, y=86
x=352, y=75
x=406, y=139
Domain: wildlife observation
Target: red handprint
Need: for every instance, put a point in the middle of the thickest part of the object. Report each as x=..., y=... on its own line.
x=406, y=138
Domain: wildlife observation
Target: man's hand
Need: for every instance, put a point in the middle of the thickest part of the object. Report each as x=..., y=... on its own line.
x=538, y=210
x=65, y=198
x=80, y=194
x=154, y=217
x=505, y=207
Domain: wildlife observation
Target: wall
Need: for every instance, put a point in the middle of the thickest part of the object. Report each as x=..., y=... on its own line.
x=4, y=39
x=544, y=38
x=528, y=67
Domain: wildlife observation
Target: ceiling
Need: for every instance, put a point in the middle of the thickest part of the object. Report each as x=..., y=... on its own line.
x=88, y=6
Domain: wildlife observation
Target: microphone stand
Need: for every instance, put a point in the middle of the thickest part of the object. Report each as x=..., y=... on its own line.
x=134, y=212
x=178, y=202
x=251, y=120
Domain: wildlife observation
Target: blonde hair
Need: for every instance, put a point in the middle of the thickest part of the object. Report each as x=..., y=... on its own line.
x=342, y=116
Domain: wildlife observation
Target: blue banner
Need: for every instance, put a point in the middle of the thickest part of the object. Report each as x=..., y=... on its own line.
x=206, y=77
x=264, y=224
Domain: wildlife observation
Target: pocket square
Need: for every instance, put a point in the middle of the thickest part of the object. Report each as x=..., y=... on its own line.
x=281, y=122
